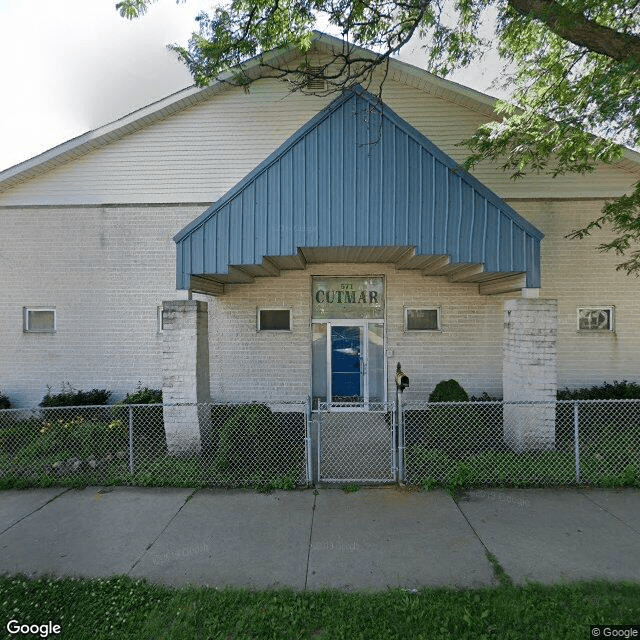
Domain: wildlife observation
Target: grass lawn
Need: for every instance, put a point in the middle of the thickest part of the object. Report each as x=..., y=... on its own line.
x=123, y=608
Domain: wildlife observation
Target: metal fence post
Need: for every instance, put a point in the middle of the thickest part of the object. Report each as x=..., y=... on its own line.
x=394, y=444
x=308, y=442
x=400, y=440
x=130, y=439
x=318, y=441
x=576, y=442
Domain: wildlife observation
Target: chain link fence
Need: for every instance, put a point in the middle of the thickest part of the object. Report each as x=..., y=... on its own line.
x=227, y=445
x=522, y=443
x=255, y=445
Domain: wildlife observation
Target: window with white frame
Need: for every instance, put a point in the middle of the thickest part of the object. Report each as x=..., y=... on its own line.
x=422, y=319
x=274, y=320
x=160, y=319
x=595, y=318
x=39, y=320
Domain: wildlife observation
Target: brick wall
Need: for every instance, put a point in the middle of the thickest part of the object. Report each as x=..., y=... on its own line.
x=266, y=365
x=576, y=274
x=106, y=269
x=529, y=372
x=185, y=367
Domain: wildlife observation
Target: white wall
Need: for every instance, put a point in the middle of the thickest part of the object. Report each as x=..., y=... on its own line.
x=198, y=154
x=578, y=275
x=105, y=270
x=266, y=366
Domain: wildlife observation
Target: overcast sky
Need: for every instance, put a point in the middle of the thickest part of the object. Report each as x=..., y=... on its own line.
x=70, y=66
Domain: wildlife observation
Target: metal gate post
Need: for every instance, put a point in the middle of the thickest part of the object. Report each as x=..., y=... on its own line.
x=394, y=445
x=308, y=442
x=400, y=440
x=319, y=445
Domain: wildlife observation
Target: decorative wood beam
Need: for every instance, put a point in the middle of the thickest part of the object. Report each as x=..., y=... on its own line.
x=200, y=284
x=466, y=273
x=506, y=284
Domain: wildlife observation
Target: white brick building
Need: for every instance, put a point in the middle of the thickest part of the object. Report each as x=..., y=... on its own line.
x=276, y=200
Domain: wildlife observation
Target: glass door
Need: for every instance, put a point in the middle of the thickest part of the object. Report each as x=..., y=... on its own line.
x=347, y=364
x=348, y=368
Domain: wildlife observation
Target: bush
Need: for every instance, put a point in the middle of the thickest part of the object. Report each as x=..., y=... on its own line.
x=73, y=438
x=4, y=401
x=255, y=446
x=69, y=397
x=617, y=391
x=17, y=434
x=449, y=391
x=143, y=396
x=148, y=422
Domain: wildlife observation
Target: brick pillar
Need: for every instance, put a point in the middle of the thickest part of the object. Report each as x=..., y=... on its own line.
x=185, y=372
x=529, y=372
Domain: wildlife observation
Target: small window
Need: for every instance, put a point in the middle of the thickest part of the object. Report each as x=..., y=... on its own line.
x=160, y=319
x=39, y=320
x=595, y=319
x=274, y=319
x=426, y=319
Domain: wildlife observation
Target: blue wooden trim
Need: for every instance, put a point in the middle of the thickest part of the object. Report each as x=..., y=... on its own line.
x=274, y=157
x=358, y=175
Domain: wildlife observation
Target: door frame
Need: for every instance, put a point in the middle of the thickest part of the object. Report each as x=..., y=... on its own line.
x=364, y=362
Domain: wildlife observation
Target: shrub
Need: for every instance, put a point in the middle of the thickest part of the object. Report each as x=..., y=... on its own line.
x=148, y=422
x=252, y=447
x=617, y=391
x=17, y=434
x=69, y=397
x=449, y=391
x=73, y=438
x=143, y=396
x=485, y=397
x=4, y=401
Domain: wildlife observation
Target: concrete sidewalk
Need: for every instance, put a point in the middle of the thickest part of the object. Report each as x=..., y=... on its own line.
x=371, y=539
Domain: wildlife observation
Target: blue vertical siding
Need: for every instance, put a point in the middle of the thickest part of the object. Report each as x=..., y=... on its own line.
x=358, y=175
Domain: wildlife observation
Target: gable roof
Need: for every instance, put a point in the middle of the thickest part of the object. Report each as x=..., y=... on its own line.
x=190, y=96
x=357, y=182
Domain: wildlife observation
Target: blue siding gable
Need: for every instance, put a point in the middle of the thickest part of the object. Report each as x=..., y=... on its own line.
x=357, y=175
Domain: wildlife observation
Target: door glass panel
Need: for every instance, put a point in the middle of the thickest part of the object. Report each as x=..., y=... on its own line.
x=346, y=364
x=375, y=369
x=319, y=360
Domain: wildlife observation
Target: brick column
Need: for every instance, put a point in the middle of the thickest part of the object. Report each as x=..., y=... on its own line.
x=185, y=372
x=529, y=372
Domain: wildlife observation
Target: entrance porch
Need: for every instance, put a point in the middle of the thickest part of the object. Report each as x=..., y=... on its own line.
x=355, y=245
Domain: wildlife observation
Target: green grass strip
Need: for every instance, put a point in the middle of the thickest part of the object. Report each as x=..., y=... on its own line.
x=120, y=607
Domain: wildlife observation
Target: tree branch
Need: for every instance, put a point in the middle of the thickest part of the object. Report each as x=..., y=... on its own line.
x=576, y=28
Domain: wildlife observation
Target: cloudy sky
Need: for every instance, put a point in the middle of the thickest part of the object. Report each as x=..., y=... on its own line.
x=71, y=66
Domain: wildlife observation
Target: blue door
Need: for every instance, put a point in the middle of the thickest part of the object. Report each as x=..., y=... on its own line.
x=346, y=364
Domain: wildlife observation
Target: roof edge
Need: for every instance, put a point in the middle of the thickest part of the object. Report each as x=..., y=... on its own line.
x=188, y=96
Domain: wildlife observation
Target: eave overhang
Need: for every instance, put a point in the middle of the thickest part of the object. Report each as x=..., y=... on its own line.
x=358, y=183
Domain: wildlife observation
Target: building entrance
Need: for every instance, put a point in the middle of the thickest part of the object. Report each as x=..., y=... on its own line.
x=348, y=363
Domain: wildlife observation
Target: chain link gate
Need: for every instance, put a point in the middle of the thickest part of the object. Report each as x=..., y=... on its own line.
x=491, y=443
x=355, y=445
